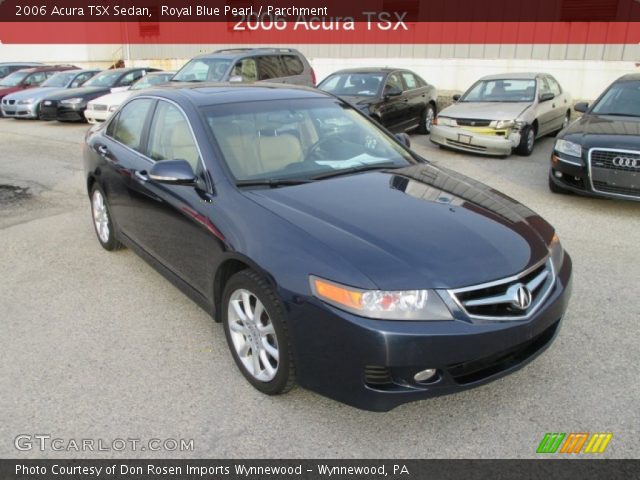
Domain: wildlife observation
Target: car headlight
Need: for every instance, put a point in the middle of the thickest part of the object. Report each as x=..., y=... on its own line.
x=26, y=101
x=381, y=304
x=113, y=108
x=73, y=101
x=557, y=253
x=500, y=124
x=568, y=148
x=445, y=121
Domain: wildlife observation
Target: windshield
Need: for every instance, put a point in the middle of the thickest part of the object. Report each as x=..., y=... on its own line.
x=299, y=139
x=60, y=79
x=150, y=80
x=622, y=98
x=501, y=90
x=353, y=84
x=14, y=79
x=203, y=70
x=104, y=79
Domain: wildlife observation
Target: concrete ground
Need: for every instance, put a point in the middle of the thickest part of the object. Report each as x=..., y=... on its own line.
x=97, y=345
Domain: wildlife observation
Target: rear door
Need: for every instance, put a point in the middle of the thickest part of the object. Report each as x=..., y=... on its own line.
x=560, y=102
x=417, y=97
x=271, y=69
x=545, y=111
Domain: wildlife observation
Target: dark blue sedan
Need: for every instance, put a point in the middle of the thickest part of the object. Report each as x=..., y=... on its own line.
x=334, y=256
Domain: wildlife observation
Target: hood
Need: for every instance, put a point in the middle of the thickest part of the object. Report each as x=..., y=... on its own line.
x=485, y=110
x=35, y=93
x=604, y=131
x=416, y=227
x=83, y=92
x=113, y=98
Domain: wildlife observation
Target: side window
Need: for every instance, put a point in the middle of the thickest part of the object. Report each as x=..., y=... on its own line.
x=247, y=69
x=394, y=80
x=410, y=80
x=128, y=127
x=131, y=77
x=544, y=85
x=36, y=78
x=554, y=86
x=292, y=64
x=269, y=67
x=170, y=137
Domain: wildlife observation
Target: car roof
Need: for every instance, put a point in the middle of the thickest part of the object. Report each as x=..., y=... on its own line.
x=514, y=76
x=370, y=70
x=247, y=52
x=47, y=68
x=18, y=64
x=629, y=77
x=206, y=94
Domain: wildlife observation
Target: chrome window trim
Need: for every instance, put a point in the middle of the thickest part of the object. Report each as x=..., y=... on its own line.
x=532, y=309
x=615, y=150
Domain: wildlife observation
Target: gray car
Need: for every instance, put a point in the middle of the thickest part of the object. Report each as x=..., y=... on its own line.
x=276, y=65
x=503, y=113
x=26, y=103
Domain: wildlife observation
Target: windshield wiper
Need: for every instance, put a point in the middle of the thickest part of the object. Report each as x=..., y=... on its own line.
x=272, y=182
x=347, y=171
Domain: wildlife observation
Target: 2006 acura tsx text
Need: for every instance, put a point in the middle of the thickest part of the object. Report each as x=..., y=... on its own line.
x=334, y=256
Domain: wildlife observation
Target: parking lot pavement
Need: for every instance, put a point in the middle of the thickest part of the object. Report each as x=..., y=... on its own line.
x=97, y=345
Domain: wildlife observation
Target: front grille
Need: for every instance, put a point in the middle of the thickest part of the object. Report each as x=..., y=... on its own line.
x=11, y=102
x=475, y=148
x=606, y=177
x=99, y=108
x=377, y=375
x=472, y=122
x=476, y=370
x=500, y=299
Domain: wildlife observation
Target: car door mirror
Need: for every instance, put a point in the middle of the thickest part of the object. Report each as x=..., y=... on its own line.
x=404, y=139
x=456, y=97
x=173, y=172
x=392, y=92
x=581, y=107
x=546, y=96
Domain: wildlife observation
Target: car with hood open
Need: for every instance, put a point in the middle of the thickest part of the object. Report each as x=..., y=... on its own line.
x=599, y=154
x=400, y=100
x=101, y=108
x=26, y=103
x=70, y=104
x=503, y=113
x=333, y=255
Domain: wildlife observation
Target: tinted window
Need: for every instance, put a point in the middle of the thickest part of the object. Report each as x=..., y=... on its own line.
x=170, y=136
x=269, y=67
x=292, y=64
x=104, y=79
x=80, y=79
x=394, y=80
x=246, y=69
x=59, y=79
x=410, y=80
x=353, y=84
x=131, y=77
x=622, y=98
x=203, y=70
x=129, y=125
x=37, y=78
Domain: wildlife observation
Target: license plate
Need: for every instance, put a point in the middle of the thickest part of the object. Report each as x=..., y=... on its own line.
x=464, y=138
x=47, y=102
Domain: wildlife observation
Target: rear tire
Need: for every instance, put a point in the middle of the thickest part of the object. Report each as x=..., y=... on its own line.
x=257, y=334
x=527, y=141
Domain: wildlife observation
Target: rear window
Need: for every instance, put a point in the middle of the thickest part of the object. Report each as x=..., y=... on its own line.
x=292, y=64
x=269, y=66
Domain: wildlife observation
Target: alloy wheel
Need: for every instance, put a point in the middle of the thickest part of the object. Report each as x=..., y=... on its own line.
x=100, y=216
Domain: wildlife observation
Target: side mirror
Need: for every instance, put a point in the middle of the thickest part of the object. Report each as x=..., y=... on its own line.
x=392, y=92
x=173, y=172
x=581, y=107
x=404, y=139
x=236, y=79
x=545, y=97
x=456, y=97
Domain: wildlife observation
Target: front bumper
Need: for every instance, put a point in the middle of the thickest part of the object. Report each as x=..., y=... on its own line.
x=337, y=353
x=20, y=111
x=52, y=110
x=468, y=141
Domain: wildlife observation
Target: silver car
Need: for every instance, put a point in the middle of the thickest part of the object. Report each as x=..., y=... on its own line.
x=26, y=103
x=503, y=113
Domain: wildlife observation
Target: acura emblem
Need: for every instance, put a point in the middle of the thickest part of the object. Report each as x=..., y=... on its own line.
x=521, y=297
x=626, y=162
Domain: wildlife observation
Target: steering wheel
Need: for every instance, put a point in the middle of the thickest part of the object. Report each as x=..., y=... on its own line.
x=313, y=149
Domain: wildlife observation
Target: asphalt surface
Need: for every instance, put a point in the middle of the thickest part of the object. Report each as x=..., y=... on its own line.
x=97, y=345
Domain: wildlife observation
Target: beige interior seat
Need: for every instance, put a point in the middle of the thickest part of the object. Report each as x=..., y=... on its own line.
x=181, y=145
x=276, y=152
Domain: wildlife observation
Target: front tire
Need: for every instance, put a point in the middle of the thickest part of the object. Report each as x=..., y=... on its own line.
x=257, y=335
x=102, y=222
x=527, y=141
x=426, y=120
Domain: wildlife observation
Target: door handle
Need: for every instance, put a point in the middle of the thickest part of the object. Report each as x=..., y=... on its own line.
x=141, y=175
x=103, y=150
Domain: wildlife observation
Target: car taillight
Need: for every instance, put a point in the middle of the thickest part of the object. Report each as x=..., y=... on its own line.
x=313, y=77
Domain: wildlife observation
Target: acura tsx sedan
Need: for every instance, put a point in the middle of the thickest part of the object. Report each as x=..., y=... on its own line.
x=335, y=257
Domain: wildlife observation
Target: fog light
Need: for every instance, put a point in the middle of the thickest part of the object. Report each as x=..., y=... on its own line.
x=424, y=375
x=558, y=174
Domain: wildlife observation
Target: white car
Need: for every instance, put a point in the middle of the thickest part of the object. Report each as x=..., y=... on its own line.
x=101, y=108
